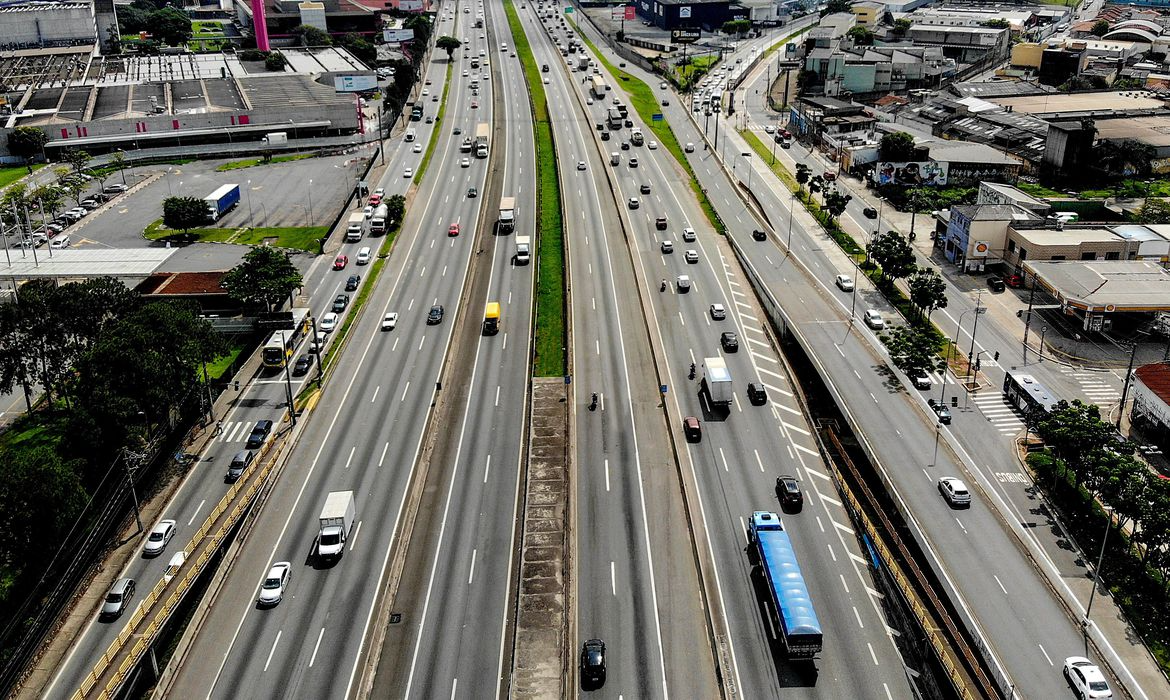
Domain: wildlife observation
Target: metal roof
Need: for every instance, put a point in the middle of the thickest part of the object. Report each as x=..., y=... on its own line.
x=1107, y=285
x=83, y=264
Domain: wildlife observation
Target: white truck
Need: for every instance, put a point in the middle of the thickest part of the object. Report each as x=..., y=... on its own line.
x=717, y=380
x=507, y=220
x=274, y=137
x=523, y=250
x=378, y=219
x=482, y=133
x=353, y=229
x=336, y=523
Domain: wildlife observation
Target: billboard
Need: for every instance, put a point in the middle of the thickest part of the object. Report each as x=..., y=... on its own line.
x=684, y=36
x=925, y=173
x=397, y=36
x=410, y=5
x=684, y=12
x=355, y=83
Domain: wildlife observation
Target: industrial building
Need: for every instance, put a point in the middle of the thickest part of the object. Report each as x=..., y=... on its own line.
x=708, y=15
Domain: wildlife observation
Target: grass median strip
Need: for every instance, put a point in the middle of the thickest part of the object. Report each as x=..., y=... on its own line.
x=642, y=99
x=434, y=142
x=550, y=359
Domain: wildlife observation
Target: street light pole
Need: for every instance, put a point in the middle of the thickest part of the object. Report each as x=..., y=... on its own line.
x=1100, y=561
x=310, y=202
x=974, y=328
x=791, y=209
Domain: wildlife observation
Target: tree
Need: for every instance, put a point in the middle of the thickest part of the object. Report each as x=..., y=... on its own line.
x=1128, y=84
x=421, y=26
x=1154, y=211
x=396, y=209
x=928, y=291
x=448, y=44
x=1125, y=485
x=736, y=26
x=835, y=203
x=1084, y=82
x=802, y=175
x=77, y=158
x=861, y=35
x=118, y=160
x=72, y=186
x=914, y=350
x=49, y=197
x=312, y=36
x=1100, y=28
x=1076, y=435
x=185, y=213
x=275, y=61
x=40, y=496
x=172, y=26
x=896, y=147
x=26, y=142
x=901, y=26
x=265, y=276
x=894, y=254
x=835, y=6
x=997, y=23
x=1124, y=158
x=359, y=47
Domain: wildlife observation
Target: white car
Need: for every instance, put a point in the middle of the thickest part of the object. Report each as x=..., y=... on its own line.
x=363, y=256
x=408, y=172
x=668, y=246
x=718, y=313
x=465, y=163
x=690, y=147
x=368, y=211
x=691, y=256
x=272, y=590
x=426, y=91
x=653, y=145
x=845, y=283
x=59, y=242
x=684, y=283
x=954, y=490
x=158, y=538
x=328, y=322
x=769, y=129
x=873, y=319
x=545, y=81
x=689, y=235
x=389, y=321
x=588, y=100
x=1086, y=679
x=317, y=345
x=381, y=191
x=580, y=165
x=635, y=203
x=174, y=565
x=416, y=148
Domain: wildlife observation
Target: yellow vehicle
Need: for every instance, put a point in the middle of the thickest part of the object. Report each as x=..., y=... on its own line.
x=491, y=318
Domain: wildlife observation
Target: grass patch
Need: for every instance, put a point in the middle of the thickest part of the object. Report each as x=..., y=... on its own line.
x=253, y=162
x=11, y=175
x=694, y=69
x=776, y=47
x=207, y=28
x=306, y=238
x=550, y=338
x=434, y=142
x=642, y=100
x=222, y=364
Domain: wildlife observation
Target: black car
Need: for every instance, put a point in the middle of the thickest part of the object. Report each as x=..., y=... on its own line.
x=458, y=131
x=788, y=491
x=644, y=189
x=660, y=223
x=472, y=193
x=870, y=213
x=352, y=283
x=593, y=663
x=625, y=145
x=759, y=235
x=303, y=364
x=757, y=394
x=259, y=434
x=996, y=284
x=943, y=413
x=729, y=341
x=340, y=303
x=436, y=315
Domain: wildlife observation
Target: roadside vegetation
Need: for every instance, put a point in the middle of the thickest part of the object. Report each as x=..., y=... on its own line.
x=10, y=175
x=307, y=238
x=1102, y=491
x=434, y=141
x=642, y=100
x=253, y=162
x=551, y=301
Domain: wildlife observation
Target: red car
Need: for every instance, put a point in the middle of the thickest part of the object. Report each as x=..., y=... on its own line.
x=453, y=230
x=375, y=200
x=1015, y=280
x=340, y=262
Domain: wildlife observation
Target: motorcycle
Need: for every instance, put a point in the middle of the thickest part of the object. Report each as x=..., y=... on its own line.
x=593, y=402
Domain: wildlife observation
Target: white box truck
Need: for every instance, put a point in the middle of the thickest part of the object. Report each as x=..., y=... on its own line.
x=336, y=523
x=523, y=250
x=353, y=230
x=482, y=134
x=507, y=218
x=378, y=219
x=717, y=380
x=274, y=137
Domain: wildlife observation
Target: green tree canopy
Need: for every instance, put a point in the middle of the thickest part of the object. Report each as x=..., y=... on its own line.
x=928, y=291
x=1100, y=28
x=901, y=26
x=172, y=26
x=359, y=47
x=1124, y=158
x=40, y=496
x=1155, y=210
x=312, y=36
x=835, y=6
x=448, y=44
x=736, y=26
x=861, y=35
x=275, y=61
x=896, y=147
x=27, y=142
x=395, y=209
x=914, y=350
x=265, y=276
x=1076, y=435
x=185, y=213
x=893, y=253
x=77, y=158
x=997, y=23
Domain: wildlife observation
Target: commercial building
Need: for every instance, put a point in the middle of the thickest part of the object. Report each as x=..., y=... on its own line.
x=708, y=15
x=45, y=24
x=964, y=44
x=338, y=17
x=1105, y=294
x=1151, y=403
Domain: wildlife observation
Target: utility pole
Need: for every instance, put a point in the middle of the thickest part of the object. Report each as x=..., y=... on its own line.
x=1125, y=393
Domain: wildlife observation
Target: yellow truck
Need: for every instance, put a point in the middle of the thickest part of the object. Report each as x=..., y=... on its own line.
x=491, y=318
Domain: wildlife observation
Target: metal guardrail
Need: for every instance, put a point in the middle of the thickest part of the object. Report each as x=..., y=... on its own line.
x=235, y=503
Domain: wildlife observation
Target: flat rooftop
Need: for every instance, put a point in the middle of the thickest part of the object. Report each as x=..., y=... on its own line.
x=1080, y=102
x=123, y=263
x=1066, y=236
x=1154, y=130
x=1109, y=286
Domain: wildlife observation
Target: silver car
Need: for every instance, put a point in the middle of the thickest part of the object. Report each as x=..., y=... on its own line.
x=272, y=590
x=158, y=538
x=117, y=599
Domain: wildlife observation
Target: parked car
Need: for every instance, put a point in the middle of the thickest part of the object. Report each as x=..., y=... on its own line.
x=996, y=284
x=874, y=320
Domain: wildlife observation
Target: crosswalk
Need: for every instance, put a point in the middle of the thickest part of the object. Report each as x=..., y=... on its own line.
x=1093, y=386
x=1001, y=414
x=235, y=431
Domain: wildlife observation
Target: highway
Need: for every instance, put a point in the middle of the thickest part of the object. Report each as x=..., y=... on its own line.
x=365, y=434
x=458, y=605
x=981, y=558
x=741, y=454
x=635, y=579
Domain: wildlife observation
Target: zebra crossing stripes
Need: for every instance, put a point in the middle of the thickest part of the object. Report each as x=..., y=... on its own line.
x=1001, y=414
x=235, y=431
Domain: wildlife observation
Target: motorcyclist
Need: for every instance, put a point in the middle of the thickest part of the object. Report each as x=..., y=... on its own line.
x=663, y=285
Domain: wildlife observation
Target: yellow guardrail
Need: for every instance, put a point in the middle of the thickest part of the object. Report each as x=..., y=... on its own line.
x=236, y=500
